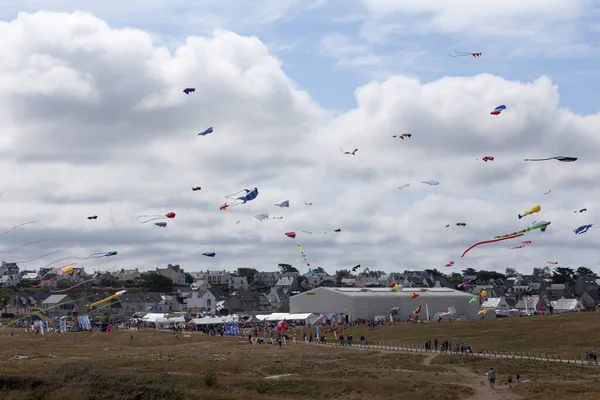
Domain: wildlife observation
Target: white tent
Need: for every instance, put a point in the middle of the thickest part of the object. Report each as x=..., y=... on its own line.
x=152, y=317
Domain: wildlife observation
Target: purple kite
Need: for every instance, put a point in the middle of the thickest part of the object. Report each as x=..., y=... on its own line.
x=189, y=90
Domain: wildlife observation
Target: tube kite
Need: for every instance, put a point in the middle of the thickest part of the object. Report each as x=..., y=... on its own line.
x=23, y=245
x=236, y=199
x=523, y=244
x=465, y=54
x=431, y=183
x=148, y=218
x=18, y=226
x=107, y=299
x=303, y=255
x=403, y=186
x=582, y=229
x=533, y=210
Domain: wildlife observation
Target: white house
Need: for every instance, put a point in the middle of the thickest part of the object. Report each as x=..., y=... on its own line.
x=215, y=277
x=238, y=283
x=175, y=272
x=202, y=300
x=496, y=304
x=562, y=306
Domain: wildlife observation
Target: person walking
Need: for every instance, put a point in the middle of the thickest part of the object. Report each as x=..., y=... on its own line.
x=510, y=381
x=492, y=378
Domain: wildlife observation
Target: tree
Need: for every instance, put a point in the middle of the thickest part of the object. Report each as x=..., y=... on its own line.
x=25, y=283
x=343, y=273
x=248, y=273
x=511, y=272
x=583, y=272
x=456, y=278
x=469, y=272
x=286, y=268
x=63, y=284
x=542, y=273
x=487, y=275
x=157, y=283
x=189, y=278
x=318, y=270
x=563, y=275
x=434, y=272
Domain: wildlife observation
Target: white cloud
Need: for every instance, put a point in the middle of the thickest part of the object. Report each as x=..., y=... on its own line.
x=95, y=123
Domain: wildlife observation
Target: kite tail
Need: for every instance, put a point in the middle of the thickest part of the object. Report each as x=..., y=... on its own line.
x=17, y=226
x=151, y=218
x=37, y=258
x=491, y=241
x=235, y=195
x=23, y=245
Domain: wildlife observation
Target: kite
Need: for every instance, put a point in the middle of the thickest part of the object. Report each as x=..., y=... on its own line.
x=189, y=90
x=559, y=158
x=523, y=244
x=487, y=158
x=482, y=293
x=447, y=225
x=397, y=287
x=303, y=255
x=403, y=136
x=498, y=110
x=451, y=263
x=18, y=226
x=237, y=199
x=65, y=270
x=209, y=254
x=542, y=225
x=418, y=310
x=582, y=210
x=353, y=152
x=309, y=232
x=403, y=186
x=148, y=218
x=282, y=204
x=277, y=217
x=223, y=207
x=290, y=234
x=467, y=283
x=465, y=54
x=262, y=217
x=100, y=255
x=431, y=183
x=552, y=262
x=413, y=296
x=93, y=217
x=23, y=245
x=337, y=230
x=107, y=299
x=461, y=224
x=196, y=188
x=531, y=211
x=474, y=299
x=548, y=192
x=206, y=132
x=355, y=268
x=308, y=204
x=484, y=311
x=582, y=229
x=161, y=224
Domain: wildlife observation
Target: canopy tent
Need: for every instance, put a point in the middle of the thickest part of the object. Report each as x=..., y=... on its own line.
x=152, y=317
x=214, y=320
x=173, y=320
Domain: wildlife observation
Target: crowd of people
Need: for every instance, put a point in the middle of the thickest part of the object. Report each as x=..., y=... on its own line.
x=446, y=346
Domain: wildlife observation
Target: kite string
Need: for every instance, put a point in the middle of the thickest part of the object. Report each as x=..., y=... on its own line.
x=37, y=258
x=23, y=245
x=17, y=226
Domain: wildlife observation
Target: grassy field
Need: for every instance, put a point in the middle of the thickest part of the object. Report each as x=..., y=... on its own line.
x=157, y=365
x=556, y=335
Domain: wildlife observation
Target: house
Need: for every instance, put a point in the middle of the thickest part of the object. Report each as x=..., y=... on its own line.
x=313, y=279
x=9, y=274
x=268, y=279
x=349, y=281
x=200, y=284
x=367, y=281
x=175, y=272
x=496, y=304
x=143, y=302
x=590, y=299
x=279, y=297
x=215, y=277
x=238, y=283
x=127, y=275
x=169, y=303
x=286, y=282
x=202, y=300
x=555, y=291
x=244, y=300
x=533, y=304
x=584, y=284
x=102, y=278
x=562, y=306
x=20, y=304
x=58, y=305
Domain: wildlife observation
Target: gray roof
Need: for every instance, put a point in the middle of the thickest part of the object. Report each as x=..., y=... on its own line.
x=55, y=299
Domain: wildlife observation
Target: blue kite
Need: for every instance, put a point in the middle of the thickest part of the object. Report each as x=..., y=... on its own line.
x=236, y=199
x=582, y=229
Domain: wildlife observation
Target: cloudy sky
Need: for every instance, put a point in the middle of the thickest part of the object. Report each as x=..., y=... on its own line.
x=95, y=123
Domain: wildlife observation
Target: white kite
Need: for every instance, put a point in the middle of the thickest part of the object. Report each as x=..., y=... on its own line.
x=262, y=217
x=403, y=186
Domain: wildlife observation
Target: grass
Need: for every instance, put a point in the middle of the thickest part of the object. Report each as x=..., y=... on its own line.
x=157, y=365
x=556, y=335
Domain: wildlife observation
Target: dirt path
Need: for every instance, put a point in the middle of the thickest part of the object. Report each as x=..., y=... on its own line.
x=429, y=359
x=481, y=386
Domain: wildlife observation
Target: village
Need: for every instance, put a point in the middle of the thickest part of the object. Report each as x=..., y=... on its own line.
x=247, y=291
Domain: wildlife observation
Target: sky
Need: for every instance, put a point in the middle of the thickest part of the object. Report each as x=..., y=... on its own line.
x=95, y=123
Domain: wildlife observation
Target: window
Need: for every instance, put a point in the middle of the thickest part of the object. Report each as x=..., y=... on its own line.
x=208, y=302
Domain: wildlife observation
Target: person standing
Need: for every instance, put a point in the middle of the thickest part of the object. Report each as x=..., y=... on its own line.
x=492, y=378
